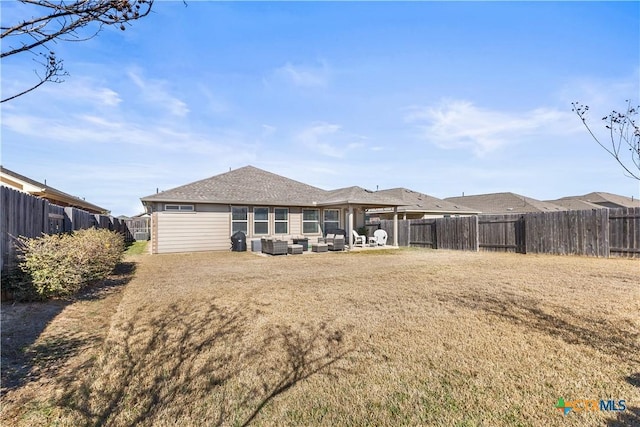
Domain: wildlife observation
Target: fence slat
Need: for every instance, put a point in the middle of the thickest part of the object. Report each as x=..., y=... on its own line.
x=22, y=214
x=596, y=232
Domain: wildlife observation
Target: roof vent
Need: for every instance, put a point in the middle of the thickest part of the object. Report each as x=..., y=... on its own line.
x=509, y=209
x=438, y=206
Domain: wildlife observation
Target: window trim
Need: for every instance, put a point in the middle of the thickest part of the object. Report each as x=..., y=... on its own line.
x=315, y=221
x=261, y=221
x=245, y=221
x=277, y=221
x=324, y=221
x=180, y=207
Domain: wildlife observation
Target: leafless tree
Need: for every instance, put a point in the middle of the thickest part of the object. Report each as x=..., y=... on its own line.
x=63, y=20
x=624, y=135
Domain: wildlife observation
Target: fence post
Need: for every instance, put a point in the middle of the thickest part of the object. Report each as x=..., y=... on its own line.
x=68, y=219
x=606, y=250
x=476, y=224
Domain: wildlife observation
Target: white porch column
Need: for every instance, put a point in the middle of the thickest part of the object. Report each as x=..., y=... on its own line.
x=350, y=228
x=395, y=226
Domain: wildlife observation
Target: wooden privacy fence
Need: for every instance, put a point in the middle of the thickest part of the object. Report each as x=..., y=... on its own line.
x=502, y=233
x=597, y=232
x=29, y=216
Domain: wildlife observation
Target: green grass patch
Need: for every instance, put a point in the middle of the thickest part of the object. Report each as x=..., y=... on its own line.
x=137, y=248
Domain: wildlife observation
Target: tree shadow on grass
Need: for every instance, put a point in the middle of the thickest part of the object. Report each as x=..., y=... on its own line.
x=634, y=379
x=197, y=364
x=23, y=358
x=631, y=416
x=627, y=418
x=597, y=333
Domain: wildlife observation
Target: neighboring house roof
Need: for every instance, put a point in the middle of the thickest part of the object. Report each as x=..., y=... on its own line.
x=360, y=196
x=504, y=203
x=27, y=185
x=602, y=199
x=574, y=204
x=415, y=202
x=250, y=185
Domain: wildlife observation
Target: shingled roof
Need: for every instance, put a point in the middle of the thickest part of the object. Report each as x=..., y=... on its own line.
x=246, y=185
x=413, y=201
x=360, y=196
x=575, y=204
x=504, y=203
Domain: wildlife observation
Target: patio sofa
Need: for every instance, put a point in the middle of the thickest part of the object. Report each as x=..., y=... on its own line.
x=273, y=246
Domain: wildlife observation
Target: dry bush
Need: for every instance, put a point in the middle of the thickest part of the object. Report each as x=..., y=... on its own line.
x=62, y=264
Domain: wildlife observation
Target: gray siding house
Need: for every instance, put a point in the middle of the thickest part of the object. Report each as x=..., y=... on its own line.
x=201, y=216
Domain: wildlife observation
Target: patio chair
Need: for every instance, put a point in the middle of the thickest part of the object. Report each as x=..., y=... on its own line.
x=381, y=237
x=328, y=239
x=336, y=243
x=358, y=239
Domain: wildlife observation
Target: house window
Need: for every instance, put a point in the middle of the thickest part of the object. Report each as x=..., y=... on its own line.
x=310, y=220
x=282, y=220
x=260, y=220
x=331, y=219
x=239, y=219
x=178, y=208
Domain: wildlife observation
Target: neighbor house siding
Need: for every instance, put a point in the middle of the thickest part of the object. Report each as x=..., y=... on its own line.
x=192, y=231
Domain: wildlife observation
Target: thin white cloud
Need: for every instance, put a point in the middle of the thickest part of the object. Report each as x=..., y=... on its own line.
x=212, y=102
x=462, y=125
x=84, y=89
x=316, y=137
x=305, y=75
x=109, y=97
x=87, y=128
x=602, y=95
x=268, y=130
x=329, y=140
x=156, y=93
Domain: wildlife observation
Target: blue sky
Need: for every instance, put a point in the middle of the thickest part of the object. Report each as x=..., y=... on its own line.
x=438, y=97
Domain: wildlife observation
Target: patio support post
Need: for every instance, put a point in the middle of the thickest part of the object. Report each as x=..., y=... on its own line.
x=350, y=227
x=395, y=226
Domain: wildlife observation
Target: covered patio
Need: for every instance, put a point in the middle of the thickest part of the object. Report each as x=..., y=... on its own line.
x=354, y=202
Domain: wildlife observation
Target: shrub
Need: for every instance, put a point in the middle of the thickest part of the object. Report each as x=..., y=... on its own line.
x=62, y=264
x=17, y=285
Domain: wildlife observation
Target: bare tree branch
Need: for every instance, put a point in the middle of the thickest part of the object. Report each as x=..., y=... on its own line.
x=54, y=70
x=63, y=20
x=624, y=134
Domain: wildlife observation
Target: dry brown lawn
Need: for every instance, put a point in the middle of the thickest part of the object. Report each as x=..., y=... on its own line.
x=404, y=337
